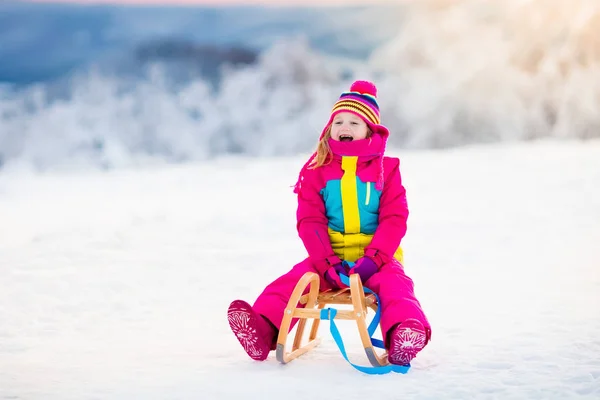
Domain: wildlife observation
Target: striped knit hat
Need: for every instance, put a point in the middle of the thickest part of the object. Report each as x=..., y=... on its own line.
x=361, y=100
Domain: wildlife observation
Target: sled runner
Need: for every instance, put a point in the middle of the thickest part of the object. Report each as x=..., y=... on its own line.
x=313, y=306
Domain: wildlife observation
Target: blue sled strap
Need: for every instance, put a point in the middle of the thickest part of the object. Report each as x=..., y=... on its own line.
x=329, y=314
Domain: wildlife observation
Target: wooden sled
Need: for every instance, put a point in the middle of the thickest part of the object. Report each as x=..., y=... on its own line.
x=313, y=303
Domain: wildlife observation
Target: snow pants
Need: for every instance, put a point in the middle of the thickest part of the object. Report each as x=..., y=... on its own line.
x=394, y=288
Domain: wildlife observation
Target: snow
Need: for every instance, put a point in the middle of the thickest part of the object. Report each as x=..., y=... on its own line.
x=115, y=284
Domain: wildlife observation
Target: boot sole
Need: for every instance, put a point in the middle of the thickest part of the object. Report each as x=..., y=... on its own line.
x=242, y=321
x=406, y=342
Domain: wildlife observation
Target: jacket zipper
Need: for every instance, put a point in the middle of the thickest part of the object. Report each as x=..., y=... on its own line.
x=368, y=193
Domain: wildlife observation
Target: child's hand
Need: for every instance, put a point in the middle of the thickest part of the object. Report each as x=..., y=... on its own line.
x=365, y=267
x=332, y=275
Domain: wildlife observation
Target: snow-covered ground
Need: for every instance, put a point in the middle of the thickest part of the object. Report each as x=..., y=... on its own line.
x=115, y=285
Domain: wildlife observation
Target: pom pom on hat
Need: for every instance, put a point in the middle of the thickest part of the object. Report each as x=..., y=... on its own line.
x=364, y=87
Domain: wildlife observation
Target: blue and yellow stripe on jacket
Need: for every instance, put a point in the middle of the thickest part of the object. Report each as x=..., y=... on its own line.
x=352, y=208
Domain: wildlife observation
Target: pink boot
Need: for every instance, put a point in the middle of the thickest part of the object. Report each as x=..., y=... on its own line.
x=406, y=340
x=253, y=331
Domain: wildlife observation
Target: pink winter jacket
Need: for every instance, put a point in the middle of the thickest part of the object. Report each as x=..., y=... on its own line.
x=314, y=226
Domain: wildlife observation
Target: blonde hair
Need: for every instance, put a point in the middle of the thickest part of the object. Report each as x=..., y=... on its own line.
x=323, y=154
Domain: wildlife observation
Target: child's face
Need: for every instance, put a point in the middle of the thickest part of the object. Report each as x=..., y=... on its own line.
x=347, y=127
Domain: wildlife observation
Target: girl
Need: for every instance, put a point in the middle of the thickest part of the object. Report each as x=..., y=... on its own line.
x=351, y=208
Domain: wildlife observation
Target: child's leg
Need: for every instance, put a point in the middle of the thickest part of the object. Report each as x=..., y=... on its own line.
x=399, y=303
x=256, y=327
x=272, y=301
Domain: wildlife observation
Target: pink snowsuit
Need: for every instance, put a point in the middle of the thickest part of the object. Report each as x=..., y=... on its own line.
x=343, y=213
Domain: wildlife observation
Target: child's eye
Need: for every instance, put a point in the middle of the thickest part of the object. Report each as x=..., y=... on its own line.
x=337, y=123
x=354, y=123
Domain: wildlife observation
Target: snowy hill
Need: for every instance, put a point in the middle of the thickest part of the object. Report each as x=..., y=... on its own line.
x=115, y=284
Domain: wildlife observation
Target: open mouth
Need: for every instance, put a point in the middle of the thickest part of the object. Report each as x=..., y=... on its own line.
x=346, y=138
